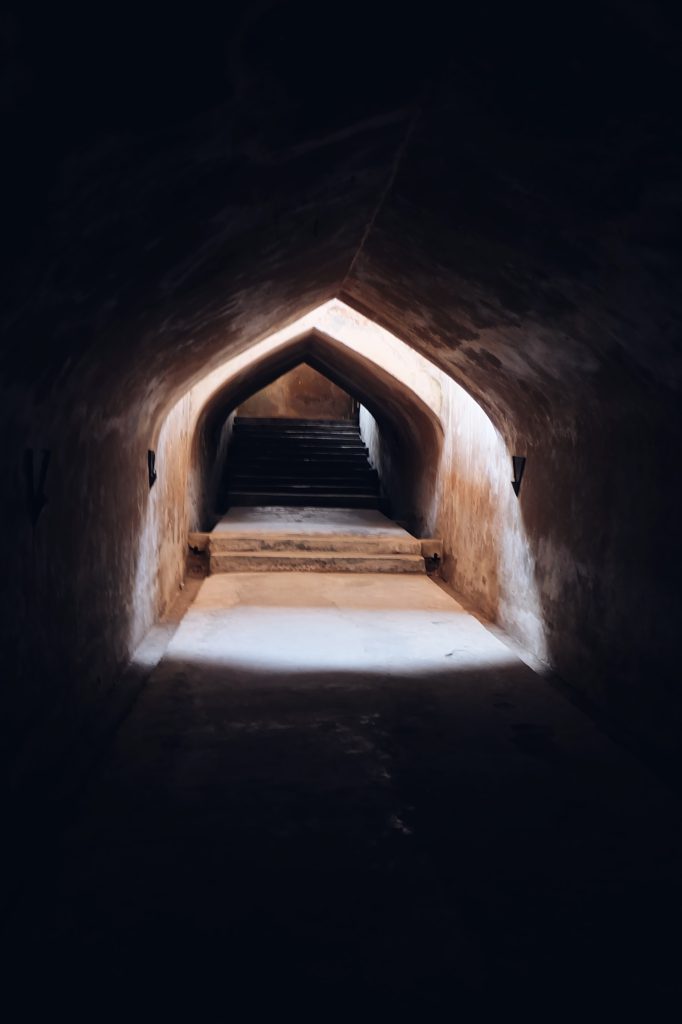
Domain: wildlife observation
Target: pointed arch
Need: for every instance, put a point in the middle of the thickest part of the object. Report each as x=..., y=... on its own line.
x=411, y=431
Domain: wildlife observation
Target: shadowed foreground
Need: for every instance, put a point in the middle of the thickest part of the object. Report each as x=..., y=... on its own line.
x=345, y=787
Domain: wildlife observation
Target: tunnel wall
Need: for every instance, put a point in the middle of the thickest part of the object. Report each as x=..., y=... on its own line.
x=95, y=569
x=487, y=554
x=402, y=394
x=459, y=491
x=302, y=393
x=408, y=477
x=162, y=541
x=554, y=566
x=598, y=510
x=574, y=567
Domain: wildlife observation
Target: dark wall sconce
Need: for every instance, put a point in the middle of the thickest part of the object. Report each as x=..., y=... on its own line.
x=35, y=484
x=518, y=465
x=151, y=467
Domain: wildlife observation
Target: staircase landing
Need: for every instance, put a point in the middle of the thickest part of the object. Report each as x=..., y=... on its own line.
x=284, y=539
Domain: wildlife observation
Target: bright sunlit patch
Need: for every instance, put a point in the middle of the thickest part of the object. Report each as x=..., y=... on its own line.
x=307, y=639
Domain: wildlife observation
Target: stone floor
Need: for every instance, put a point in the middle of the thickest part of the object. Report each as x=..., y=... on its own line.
x=343, y=792
x=358, y=522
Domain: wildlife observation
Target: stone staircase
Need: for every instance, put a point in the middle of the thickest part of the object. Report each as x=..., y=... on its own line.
x=259, y=552
x=282, y=462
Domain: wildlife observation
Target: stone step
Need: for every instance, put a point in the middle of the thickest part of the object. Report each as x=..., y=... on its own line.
x=304, y=449
x=289, y=438
x=294, y=432
x=297, y=543
x=320, y=486
x=240, y=428
x=287, y=472
x=299, y=463
x=293, y=436
x=340, y=467
x=288, y=424
x=253, y=447
x=315, y=473
x=311, y=455
x=284, y=422
x=293, y=440
x=337, y=465
x=314, y=561
x=297, y=487
x=268, y=455
x=327, y=500
x=332, y=458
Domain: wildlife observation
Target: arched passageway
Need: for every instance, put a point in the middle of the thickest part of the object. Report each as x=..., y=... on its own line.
x=477, y=225
x=410, y=431
x=362, y=740
x=445, y=466
x=297, y=442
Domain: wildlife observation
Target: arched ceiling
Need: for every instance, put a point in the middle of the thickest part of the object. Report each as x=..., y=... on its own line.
x=502, y=190
x=394, y=405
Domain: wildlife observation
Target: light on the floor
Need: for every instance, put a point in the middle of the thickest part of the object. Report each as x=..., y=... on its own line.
x=310, y=641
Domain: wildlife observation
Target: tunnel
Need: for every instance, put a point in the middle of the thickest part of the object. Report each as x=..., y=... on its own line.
x=421, y=747
x=408, y=434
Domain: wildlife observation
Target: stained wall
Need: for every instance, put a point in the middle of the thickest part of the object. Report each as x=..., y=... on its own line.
x=302, y=393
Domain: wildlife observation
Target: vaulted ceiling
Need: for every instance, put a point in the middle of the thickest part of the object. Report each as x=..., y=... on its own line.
x=500, y=188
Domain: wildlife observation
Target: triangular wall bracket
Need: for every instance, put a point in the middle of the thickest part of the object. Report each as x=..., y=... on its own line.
x=518, y=466
x=151, y=467
x=35, y=472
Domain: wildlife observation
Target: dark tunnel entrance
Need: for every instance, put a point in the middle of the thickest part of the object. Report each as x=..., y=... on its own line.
x=289, y=459
x=317, y=424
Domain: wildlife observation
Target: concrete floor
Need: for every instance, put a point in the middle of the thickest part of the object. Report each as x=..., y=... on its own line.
x=344, y=788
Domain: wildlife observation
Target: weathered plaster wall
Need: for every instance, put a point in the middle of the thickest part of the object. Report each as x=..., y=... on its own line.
x=408, y=475
x=487, y=553
x=165, y=512
x=302, y=393
x=454, y=483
